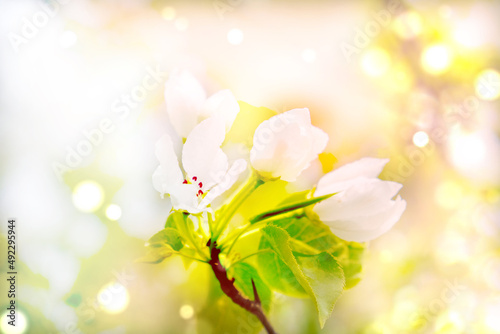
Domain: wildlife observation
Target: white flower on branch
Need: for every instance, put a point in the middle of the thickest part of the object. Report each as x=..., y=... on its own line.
x=205, y=172
x=363, y=207
x=285, y=145
x=188, y=105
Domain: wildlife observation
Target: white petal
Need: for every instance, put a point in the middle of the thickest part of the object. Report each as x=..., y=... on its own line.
x=358, y=197
x=184, y=97
x=373, y=226
x=285, y=145
x=367, y=167
x=202, y=156
x=168, y=174
x=230, y=178
x=222, y=104
x=184, y=198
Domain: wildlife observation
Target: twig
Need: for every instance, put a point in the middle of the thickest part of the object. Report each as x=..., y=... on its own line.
x=227, y=286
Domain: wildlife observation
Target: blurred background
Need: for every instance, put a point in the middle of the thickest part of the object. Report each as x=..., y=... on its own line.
x=81, y=107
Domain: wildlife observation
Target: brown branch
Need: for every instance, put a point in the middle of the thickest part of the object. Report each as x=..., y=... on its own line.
x=227, y=286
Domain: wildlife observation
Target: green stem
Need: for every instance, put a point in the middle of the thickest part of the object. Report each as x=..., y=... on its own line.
x=191, y=238
x=253, y=183
x=210, y=224
x=246, y=257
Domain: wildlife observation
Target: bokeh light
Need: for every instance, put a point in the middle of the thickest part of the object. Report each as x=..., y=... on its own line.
x=436, y=59
x=235, y=36
x=168, y=13
x=21, y=323
x=376, y=62
x=186, y=312
x=309, y=55
x=487, y=85
x=113, y=298
x=68, y=39
x=88, y=196
x=113, y=212
x=408, y=24
x=420, y=138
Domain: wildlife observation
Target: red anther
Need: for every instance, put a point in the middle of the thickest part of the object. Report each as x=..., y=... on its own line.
x=185, y=181
x=195, y=178
x=200, y=185
x=199, y=193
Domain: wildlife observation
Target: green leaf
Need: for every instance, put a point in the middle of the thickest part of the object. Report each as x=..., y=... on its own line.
x=288, y=208
x=162, y=245
x=319, y=275
x=167, y=236
x=156, y=254
x=244, y=273
x=310, y=236
x=276, y=273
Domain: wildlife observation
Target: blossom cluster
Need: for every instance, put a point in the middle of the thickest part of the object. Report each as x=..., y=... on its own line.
x=361, y=208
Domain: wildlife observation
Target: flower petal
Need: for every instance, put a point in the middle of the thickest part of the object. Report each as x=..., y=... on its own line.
x=367, y=167
x=285, y=145
x=184, y=97
x=228, y=181
x=184, y=198
x=202, y=156
x=168, y=174
x=360, y=195
x=222, y=104
x=378, y=224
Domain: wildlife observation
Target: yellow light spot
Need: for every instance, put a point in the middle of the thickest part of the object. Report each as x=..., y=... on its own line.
x=420, y=139
x=20, y=327
x=113, y=298
x=449, y=323
x=309, y=55
x=181, y=23
x=375, y=62
x=408, y=25
x=386, y=256
x=186, y=312
x=113, y=212
x=168, y=13
x=487, y=85
x=88, y=196
x=436, y=59
x=448, y=194
x=235, y=36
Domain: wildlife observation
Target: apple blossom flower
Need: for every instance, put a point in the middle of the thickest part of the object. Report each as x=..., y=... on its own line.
x=206, y=173
x=363, y=207
x=188, y=105
x=285, y=145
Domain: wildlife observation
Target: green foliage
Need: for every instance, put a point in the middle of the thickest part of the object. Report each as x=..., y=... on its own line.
x=311, y=236
x=289, y=205
x=243, y=274
x=297, y=255
x=162, y=245
x=319, y=275
x=221, y=316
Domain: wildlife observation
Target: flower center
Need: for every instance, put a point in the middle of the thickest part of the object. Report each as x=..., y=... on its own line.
x=193, y=180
